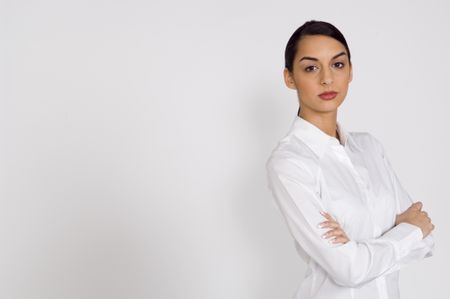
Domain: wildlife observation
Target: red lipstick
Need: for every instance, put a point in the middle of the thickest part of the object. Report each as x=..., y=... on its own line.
x=329, y=95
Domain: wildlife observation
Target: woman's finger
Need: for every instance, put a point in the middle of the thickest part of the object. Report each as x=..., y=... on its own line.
x=339, y=233
x=328, y=223
x=342, y=234
x=326, y=215
x=340, y=240
x=335, y=232
x=332, y=233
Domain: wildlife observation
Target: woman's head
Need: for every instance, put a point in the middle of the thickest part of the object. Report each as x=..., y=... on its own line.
x=311, y=28
x=317, y=60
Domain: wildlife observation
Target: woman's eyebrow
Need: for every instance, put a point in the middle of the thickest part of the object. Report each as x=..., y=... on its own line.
x=315, y=59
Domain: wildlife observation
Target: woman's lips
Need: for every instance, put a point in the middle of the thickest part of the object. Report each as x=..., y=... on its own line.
x=328, y=95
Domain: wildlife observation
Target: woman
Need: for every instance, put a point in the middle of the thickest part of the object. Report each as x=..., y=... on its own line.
x=352, y=221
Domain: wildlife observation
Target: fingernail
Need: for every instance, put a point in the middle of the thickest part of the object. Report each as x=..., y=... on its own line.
x=320, y=225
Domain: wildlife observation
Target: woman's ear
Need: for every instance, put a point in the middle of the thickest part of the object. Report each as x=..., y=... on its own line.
x=289, y=79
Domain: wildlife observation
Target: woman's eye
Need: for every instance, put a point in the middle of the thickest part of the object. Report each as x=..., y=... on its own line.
x=340, y=64
x=310, y=68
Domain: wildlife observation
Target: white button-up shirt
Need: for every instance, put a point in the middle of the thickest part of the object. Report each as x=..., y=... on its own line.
x=352, y=179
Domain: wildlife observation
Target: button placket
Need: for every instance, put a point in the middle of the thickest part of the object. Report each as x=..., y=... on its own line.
x=344, y=158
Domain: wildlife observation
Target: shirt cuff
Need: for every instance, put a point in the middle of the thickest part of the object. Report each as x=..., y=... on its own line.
x=404, y=236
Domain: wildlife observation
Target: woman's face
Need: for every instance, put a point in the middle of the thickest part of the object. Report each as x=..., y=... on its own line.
x=319, y=66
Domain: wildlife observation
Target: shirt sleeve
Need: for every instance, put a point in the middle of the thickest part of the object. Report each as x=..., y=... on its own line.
x=350, y=264
x=424, y=248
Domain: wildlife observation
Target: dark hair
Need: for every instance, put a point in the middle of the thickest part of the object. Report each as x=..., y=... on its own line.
x=312, y=27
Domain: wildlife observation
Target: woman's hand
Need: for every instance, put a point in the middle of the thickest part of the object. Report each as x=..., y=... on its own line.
x=336, y=231
x=414, y=215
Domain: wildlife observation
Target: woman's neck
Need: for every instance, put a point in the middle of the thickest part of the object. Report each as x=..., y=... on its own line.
x=325, y=122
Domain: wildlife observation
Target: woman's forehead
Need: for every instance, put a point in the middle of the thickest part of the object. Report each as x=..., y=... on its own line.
x=319, y=45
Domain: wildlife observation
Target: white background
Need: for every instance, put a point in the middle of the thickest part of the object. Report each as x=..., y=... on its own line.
x=133, y=137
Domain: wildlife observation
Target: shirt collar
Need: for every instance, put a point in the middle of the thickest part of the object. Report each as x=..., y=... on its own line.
x=318, y=140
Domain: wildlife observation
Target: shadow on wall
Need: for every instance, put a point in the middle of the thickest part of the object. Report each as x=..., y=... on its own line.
x=280, y=269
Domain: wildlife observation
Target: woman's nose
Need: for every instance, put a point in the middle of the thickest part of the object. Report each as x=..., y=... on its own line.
x=326, y=77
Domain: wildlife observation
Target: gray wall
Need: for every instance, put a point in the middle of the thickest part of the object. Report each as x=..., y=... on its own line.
x=133, y=137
